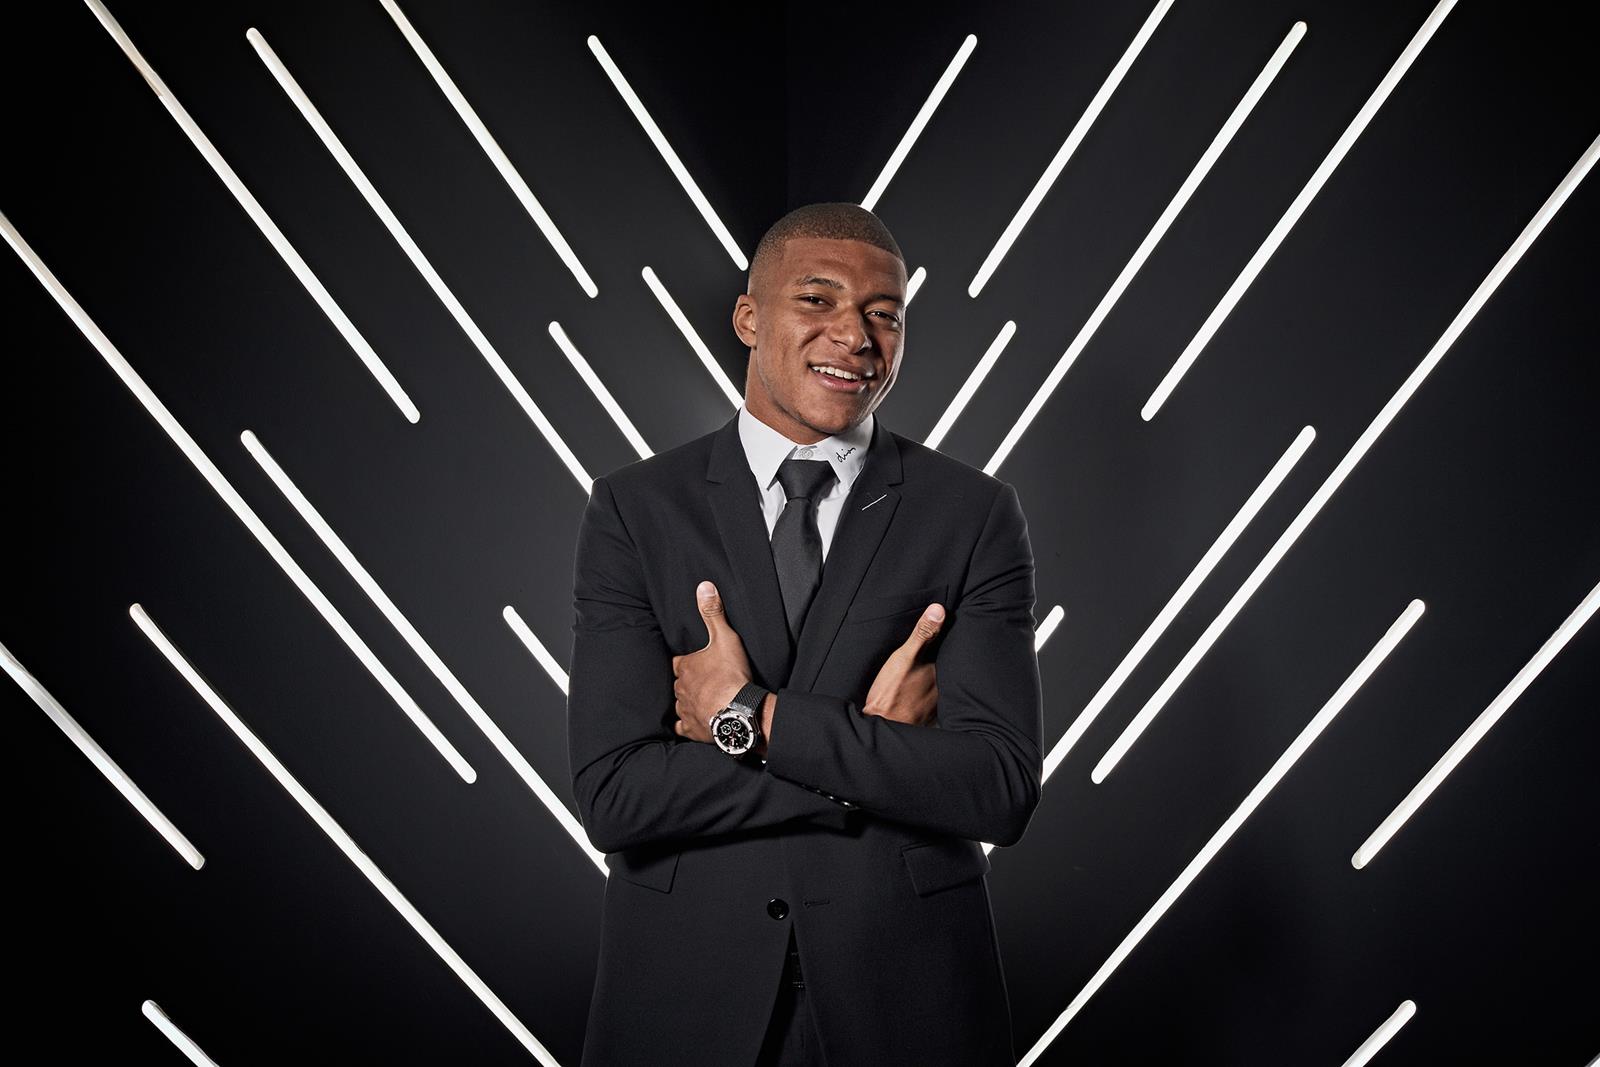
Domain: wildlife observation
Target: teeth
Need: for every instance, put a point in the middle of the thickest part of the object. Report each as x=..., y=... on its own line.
x=835, y=372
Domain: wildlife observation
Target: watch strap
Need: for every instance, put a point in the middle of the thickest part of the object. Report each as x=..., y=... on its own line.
x=752, y=696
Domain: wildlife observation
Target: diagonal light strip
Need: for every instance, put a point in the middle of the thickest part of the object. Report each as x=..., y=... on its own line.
x=230, y=496
x=1296, y=209
x=1024, y=213
x=929, y=106
x=598, y=388
x=1297, y=748
x=258, y=215
x=418, y=644
x=339, y=837
x=182, y=1041
x=1380, y=1037
x=358, y=178
x=970, y=386
x=914, y=283
x=681, y=321
x=1475, y=733
x=1180, y=599
x=97, y=756
x=492, y=149
x=1179, y=200
x=1351, y=458
x=531, y=641
x=657, y=138
x=1048, y=626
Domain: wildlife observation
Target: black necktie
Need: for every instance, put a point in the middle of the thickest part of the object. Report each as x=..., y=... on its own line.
x=796, y=544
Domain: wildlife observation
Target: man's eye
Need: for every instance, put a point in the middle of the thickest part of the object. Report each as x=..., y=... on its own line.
x=808, y=296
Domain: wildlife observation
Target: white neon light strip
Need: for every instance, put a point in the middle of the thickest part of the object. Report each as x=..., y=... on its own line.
x=183, y=1042
x=970, y=386
x=540, y=653
x=1296, y=209
x=657, y=138
x=1180, y=199
x=230, y=496
x=681, y=321
x=1351, y=458
x=419, y=645
x=929, y=106
x=1048, y=626
x=1180, y=599
x=258, y=215
x=597, y=387
x=103, y=763
x=1297, y=748
x=492, y=149
x=1380, y=1037
x=339, y=837
x=1475, y=733
x=1025, y=213
x=369, y=193
x=914, y=283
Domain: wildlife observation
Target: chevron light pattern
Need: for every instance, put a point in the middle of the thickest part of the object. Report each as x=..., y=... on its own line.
x=1376, y=220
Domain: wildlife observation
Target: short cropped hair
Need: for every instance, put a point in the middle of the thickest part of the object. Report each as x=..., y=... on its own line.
x=835, y=220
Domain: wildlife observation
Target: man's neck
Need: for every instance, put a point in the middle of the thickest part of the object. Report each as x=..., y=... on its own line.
x=799, y=433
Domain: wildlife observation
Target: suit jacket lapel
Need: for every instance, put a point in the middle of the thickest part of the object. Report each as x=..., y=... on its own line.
x=735, y=502
x=866, y=515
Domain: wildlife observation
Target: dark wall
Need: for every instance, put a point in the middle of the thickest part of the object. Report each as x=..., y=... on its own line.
x=1479, y=499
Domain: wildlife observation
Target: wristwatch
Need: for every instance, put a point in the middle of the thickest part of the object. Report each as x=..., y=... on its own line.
x=737, y=727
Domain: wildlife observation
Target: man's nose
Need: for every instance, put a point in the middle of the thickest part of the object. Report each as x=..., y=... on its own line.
x=849, y=330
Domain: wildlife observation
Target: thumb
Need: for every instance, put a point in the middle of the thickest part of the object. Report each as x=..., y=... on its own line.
x=710, y=603
x=927, y=627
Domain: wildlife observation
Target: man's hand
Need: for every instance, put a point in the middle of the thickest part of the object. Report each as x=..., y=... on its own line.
x=707, y=680
x=905, y=689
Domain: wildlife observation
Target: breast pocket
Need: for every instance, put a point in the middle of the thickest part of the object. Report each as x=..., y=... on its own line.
x=882, y=607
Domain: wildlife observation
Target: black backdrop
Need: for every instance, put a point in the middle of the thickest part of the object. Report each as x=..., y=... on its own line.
x=1480, y=499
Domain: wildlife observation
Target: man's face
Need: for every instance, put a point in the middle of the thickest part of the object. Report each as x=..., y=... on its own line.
x=827, y=303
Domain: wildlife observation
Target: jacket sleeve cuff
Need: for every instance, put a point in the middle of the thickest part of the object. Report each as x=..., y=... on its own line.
x=804, y=750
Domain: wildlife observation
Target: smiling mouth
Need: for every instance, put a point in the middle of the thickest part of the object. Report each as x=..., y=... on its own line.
x=840, y=384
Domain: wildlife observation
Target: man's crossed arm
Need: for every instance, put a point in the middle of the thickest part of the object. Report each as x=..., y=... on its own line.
x=906, y=688
x=977, y=776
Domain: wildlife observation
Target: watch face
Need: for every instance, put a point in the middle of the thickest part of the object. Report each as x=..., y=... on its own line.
x=733, y=734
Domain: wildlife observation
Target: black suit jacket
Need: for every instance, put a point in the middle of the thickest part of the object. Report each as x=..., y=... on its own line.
x=861, y=832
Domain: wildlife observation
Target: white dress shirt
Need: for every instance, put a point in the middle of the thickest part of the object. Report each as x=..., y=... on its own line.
x=766, y=449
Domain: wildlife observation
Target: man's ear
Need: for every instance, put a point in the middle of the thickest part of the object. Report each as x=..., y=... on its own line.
x=744, y=319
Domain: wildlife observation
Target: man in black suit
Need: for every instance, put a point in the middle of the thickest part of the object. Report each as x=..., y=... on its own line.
x=791, y=791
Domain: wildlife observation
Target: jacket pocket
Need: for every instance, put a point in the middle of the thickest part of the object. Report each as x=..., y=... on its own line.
x=879, y=607
x=651, y=866
x=943, y=862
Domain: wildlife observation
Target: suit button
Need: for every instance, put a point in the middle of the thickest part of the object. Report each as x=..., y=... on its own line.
x=777, y=908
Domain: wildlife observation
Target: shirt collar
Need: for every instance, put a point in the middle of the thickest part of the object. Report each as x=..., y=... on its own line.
x=766, y=449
